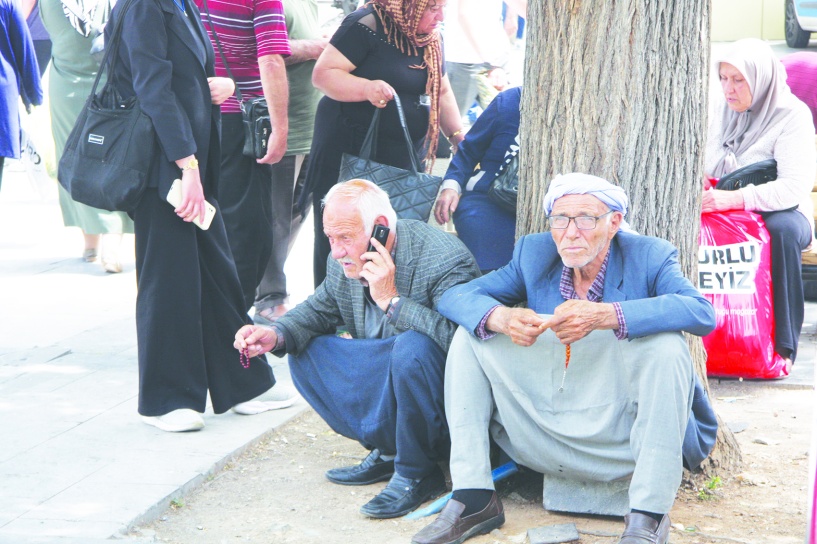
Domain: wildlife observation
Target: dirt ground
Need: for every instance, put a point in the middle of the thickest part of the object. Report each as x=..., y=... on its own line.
x=276, y=492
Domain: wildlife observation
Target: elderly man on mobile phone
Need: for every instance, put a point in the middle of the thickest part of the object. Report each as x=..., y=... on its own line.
x=384, y=386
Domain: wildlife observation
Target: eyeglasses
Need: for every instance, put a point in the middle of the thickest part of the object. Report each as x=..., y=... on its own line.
x=583, y=222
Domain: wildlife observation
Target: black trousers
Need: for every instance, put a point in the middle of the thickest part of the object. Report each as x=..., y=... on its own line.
x=287, y=183
x=188, y=309
x=790, y=234
x=245, y=193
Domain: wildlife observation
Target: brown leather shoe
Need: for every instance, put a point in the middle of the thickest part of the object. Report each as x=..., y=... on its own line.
x=450, y=528
x=641, y=529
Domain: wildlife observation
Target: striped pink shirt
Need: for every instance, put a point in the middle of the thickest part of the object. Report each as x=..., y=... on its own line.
x=248, y=30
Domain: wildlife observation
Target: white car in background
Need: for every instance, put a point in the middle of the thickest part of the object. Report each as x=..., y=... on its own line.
x=801, y=21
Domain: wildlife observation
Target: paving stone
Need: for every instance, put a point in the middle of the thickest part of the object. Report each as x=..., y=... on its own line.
x=580, y=497
x=553, y=534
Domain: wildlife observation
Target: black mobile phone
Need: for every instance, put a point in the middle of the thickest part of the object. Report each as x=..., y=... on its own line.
x=379, y=233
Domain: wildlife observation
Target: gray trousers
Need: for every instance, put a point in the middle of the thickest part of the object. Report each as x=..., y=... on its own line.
x=287, y=175
x=622, y=413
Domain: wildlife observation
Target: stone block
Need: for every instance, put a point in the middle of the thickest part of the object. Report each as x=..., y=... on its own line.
x=553, y=534
x=585, y=497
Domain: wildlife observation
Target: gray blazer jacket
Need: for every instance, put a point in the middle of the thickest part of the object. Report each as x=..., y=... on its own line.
x=428, y=262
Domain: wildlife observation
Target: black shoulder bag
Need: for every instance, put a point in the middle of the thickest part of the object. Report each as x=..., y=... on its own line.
x=412, y=193
x=111, y=148
x=254, y=111
x=756, y=173
x=504, y=189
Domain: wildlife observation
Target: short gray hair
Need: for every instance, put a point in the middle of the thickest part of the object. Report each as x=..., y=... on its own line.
x=370, y=200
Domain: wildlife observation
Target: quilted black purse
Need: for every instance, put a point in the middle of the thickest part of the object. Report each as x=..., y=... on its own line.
x=111, y=148
x=756, y=173
x=505, y=187
x=412, y=193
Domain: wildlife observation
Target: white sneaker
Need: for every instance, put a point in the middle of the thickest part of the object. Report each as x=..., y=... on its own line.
x=177, y=421
x=282, y=395
x=282, y=391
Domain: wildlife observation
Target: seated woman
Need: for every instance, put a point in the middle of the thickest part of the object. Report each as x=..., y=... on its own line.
x=485, y=228
x=761, y=119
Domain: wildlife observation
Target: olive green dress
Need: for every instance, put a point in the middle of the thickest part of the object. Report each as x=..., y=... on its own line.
x=71, y=77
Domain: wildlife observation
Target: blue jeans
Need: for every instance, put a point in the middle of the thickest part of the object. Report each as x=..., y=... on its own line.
x=385, y=393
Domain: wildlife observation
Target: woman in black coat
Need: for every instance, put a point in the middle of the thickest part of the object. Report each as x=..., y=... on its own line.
x=189, y=301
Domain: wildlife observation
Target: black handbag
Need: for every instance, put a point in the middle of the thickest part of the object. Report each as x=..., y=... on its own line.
x=756, y=173
x=412, y=193
x=111, y=148
x=505, y=186
x=254, y=111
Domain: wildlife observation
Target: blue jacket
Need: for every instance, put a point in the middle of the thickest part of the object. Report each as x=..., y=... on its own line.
x=642, y=274
x=486, y=142
x=19, y=75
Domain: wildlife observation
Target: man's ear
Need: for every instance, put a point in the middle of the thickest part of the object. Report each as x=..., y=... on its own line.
x=615, y=222
x=382, y=220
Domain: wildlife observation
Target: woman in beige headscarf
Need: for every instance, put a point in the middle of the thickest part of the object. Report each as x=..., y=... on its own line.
x=761, y=119
x=385, y=48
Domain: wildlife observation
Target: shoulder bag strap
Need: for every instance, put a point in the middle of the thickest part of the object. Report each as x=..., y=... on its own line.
x=221, y=54
x=111, y=51
x=369, y=146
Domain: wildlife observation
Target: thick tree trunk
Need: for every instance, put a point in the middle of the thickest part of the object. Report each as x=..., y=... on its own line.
x=618, y=89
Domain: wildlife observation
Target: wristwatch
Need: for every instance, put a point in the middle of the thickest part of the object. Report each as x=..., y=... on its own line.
x=192, y=164
x=392, y=303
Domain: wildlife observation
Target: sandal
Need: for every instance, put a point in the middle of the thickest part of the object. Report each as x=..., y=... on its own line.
x=89, y=255
x=112, y=267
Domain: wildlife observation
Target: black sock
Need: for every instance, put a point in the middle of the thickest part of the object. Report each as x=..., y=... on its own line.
x=475, y=500
x=656, y=517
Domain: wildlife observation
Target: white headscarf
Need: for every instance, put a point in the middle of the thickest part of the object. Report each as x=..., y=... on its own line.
x=584, y=184
x=771, y=99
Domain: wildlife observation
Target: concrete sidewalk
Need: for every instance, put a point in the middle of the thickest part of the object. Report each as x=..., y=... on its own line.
x=76, y=463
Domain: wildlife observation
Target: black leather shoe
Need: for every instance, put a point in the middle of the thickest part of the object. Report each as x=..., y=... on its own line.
x=372, y=469
x=641, y=529
x=403, y=495
x=451, y=528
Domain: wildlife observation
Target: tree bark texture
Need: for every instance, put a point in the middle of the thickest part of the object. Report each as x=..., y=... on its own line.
x=619, y=89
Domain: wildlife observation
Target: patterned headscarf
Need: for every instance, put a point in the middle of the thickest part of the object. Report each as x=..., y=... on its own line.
x=87, y=16
x=400, y=19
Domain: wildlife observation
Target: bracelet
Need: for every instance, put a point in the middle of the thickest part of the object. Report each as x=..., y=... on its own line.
x=454, y=134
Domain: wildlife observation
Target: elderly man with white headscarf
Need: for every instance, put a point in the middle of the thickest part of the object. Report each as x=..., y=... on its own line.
x=761, y=119
x=592, y=381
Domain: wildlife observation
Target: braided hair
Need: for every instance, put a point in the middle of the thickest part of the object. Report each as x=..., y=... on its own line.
x=400, y=19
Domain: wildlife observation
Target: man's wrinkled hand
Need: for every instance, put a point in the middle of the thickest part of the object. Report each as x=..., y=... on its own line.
x=575, y=319
x=379, y=274
x=255, y=339
x=522, y=325
x=276, y=147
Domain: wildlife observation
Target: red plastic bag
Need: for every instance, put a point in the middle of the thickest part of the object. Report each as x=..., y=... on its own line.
x=734, y=274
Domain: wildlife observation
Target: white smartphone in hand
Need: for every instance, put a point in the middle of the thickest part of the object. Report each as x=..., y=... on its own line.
x=174, y=197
